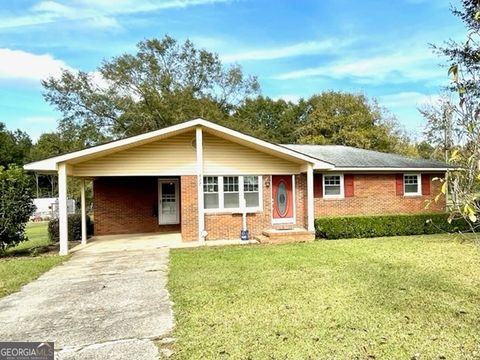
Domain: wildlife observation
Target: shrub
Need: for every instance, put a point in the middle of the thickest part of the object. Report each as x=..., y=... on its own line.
x=386, y=225
x=16, y=205
x=74, y=228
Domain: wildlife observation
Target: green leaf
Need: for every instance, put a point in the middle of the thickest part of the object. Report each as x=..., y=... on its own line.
x=477, y=16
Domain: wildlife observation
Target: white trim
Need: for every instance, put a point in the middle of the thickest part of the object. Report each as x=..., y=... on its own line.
x=83, y=212
x=342, y=187
x=52, y=163
x=177, y=203
x=200, y=205
x=241, y=194
x=294, y=199
x=310, y=200
x=62, y=208
x=384, y=169
x=290, y=220
x=419, y=185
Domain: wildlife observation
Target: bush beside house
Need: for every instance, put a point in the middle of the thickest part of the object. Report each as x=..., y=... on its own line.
x=74, y=228
x=16, y=205
x=386, y=225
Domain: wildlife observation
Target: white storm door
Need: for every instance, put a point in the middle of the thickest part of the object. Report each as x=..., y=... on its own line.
x=168, y=204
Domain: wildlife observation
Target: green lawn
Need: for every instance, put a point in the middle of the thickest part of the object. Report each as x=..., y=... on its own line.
x=389, y=298
x=17, y=270
x=37, y=238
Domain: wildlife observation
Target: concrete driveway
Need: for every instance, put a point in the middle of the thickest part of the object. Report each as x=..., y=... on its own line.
x=109, y=301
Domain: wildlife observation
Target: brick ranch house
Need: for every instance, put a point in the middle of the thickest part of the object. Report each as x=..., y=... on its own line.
x=198, y=178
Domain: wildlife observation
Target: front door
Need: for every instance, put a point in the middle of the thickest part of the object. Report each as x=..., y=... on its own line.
x=168, y=204
x=282, y=192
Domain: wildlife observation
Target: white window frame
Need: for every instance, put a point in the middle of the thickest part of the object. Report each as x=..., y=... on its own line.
x=419, y=187
x=342, y=187
x=240, y=209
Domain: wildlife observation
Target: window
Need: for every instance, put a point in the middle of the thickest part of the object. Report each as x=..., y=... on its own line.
x=250, y=190
x=333, y=186
x=227, y=193
x=231, y=195
x=210, y=192
x=411, y=184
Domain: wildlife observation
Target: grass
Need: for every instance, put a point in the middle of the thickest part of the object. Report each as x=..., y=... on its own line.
x=386, y=298
x=17, y=270
x=37, y=239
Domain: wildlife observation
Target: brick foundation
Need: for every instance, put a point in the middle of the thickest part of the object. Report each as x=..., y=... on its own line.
x=375, y=194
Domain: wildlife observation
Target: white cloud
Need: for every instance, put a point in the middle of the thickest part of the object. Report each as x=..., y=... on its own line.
x=92, y=13
x=408, y=99
x=302, y=48
x=18, y=64
x=396, y=67
x=288, y=97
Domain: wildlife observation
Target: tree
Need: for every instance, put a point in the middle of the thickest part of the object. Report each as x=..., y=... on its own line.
x=463, y=183
x=350, y=119
x=426, y=150
x=164, y=83
x=272, y=120
x=16, y=205
x=14, y=146
x=439, y=127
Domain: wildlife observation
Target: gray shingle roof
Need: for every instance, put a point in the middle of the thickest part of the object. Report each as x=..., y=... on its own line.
x=350, y=157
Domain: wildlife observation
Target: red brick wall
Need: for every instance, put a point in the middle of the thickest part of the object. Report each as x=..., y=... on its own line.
x=127, y=205
x=228, y=226
x=376, y=194
x=189, y=208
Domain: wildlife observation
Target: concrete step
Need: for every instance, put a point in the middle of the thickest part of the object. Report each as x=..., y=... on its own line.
x=287, y=235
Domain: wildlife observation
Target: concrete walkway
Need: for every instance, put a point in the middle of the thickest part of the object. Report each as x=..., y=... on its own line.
x=109, y=301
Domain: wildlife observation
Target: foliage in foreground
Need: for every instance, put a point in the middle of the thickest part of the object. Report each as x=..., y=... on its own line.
x=346, y=227
x=390, y=298
x=16, y=205
x=455, y=125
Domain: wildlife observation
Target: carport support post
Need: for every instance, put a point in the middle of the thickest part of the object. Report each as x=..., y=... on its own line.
x=62, y=208
x=310, y=199
x=84, y=212
x=199, y=151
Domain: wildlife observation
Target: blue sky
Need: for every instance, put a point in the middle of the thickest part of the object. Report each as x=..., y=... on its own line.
x=296, y=48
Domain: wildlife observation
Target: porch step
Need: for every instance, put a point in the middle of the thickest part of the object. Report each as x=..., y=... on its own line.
x=278, y=236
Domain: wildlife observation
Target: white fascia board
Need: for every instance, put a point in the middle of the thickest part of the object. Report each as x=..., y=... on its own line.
x=388, y=169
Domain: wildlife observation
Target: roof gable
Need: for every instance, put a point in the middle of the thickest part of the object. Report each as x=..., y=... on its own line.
x=50, y=164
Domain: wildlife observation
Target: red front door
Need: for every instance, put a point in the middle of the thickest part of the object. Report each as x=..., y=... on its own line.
x=282, y=191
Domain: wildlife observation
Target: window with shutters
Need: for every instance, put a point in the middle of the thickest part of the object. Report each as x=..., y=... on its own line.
x=412, y=185
x=333, y=186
